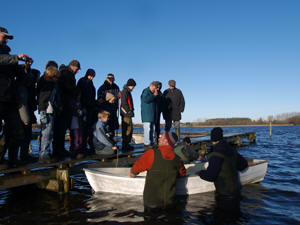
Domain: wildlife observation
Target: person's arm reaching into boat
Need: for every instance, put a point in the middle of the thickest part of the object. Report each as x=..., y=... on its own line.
x=143, y=163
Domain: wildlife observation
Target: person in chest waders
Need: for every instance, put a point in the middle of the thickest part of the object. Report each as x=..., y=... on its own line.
x=224, y=164
x=163, y=166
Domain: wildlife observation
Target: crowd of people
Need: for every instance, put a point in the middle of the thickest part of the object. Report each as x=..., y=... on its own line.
x=64, y=104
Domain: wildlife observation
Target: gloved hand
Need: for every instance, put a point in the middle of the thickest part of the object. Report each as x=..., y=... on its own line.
x=43, y=117
x=130, y=114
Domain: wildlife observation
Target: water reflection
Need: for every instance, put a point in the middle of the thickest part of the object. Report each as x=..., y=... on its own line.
x=104, y=207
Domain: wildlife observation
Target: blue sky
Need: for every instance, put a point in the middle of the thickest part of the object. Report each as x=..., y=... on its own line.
x=229, y=58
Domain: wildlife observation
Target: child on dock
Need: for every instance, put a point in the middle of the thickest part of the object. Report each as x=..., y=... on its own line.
x=103, y=144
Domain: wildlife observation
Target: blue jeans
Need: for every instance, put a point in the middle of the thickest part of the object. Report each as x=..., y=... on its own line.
x=148, y=133
x=46, y=137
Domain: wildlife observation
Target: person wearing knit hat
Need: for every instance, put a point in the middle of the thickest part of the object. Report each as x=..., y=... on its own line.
x=162, y=166
x=131, y=82
x=224, y=164
x=127, y=113
x=216, y=134
x=88, y=103
x=175, y=104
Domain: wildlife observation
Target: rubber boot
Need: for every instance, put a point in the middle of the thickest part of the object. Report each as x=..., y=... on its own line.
x=177, y=130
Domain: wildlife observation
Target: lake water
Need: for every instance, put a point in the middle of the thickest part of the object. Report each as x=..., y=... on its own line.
x=276, y=200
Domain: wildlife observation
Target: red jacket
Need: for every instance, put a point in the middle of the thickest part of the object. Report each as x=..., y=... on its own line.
x=146, y=160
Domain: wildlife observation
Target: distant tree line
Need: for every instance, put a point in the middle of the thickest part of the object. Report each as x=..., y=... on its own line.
x=285, y=118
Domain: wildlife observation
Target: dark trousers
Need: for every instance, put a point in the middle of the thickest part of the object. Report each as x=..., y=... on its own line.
x=14, y=131
x=24, y=153
x=157, y=128
x=62, y=122
x=76, y=140
x=87, y=133
x=127, y=129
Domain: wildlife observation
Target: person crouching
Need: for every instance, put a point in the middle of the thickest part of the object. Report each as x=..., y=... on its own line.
x=163, y=166
x=103, y=144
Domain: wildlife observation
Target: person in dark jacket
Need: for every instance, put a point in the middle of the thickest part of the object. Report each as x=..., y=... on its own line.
x=27, y=104
x=88, y=104
x=127, y=113
x=9, y=69
x=174, y=107
x=109, y=86
x=67, y=91
x=148, y=108
x=224, y=164
x=48, y=107
x=186, y=151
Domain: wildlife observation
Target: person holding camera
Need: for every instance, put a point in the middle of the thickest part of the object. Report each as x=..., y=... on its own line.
x=9, y=69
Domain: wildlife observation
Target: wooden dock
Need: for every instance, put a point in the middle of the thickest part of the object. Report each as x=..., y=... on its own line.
x=57, y=176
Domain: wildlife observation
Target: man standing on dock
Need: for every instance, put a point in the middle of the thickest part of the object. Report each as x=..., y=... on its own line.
x=174, y=107
x=67, y=92
x=9, y=69
x=148, y=108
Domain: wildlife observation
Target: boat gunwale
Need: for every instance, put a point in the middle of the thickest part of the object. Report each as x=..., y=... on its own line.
x=95, y=171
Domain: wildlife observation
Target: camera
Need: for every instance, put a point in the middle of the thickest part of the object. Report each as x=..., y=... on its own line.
x=28, y=60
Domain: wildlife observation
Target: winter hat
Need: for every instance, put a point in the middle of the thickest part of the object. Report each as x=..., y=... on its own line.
x=131, y=82
x=111, y=77
x=90, y=72
x=109, y=96
x=187, y=140
x=172, y=83
x=168, y=138
x=216, y=134
x=51, y=63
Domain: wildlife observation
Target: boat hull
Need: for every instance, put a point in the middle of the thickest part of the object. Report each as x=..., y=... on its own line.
x=116, y=180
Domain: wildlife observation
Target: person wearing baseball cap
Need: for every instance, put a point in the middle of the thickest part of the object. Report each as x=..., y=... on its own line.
x=8, y=106
x=175, y=106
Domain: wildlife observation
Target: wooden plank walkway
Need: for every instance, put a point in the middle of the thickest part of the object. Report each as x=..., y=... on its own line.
x=56, y=176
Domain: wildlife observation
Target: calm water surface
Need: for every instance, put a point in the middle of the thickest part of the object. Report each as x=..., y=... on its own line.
x=276, y=200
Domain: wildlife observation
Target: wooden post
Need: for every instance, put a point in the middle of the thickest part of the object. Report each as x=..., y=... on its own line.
x=270, y=129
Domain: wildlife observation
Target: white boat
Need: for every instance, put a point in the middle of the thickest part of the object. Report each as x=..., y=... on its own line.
x=138, y=139
x=116, y=180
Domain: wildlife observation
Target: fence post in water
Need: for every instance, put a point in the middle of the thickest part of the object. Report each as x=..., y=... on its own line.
x=270, y=118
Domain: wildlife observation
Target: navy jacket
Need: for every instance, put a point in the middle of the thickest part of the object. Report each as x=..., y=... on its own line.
x=215, y=162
